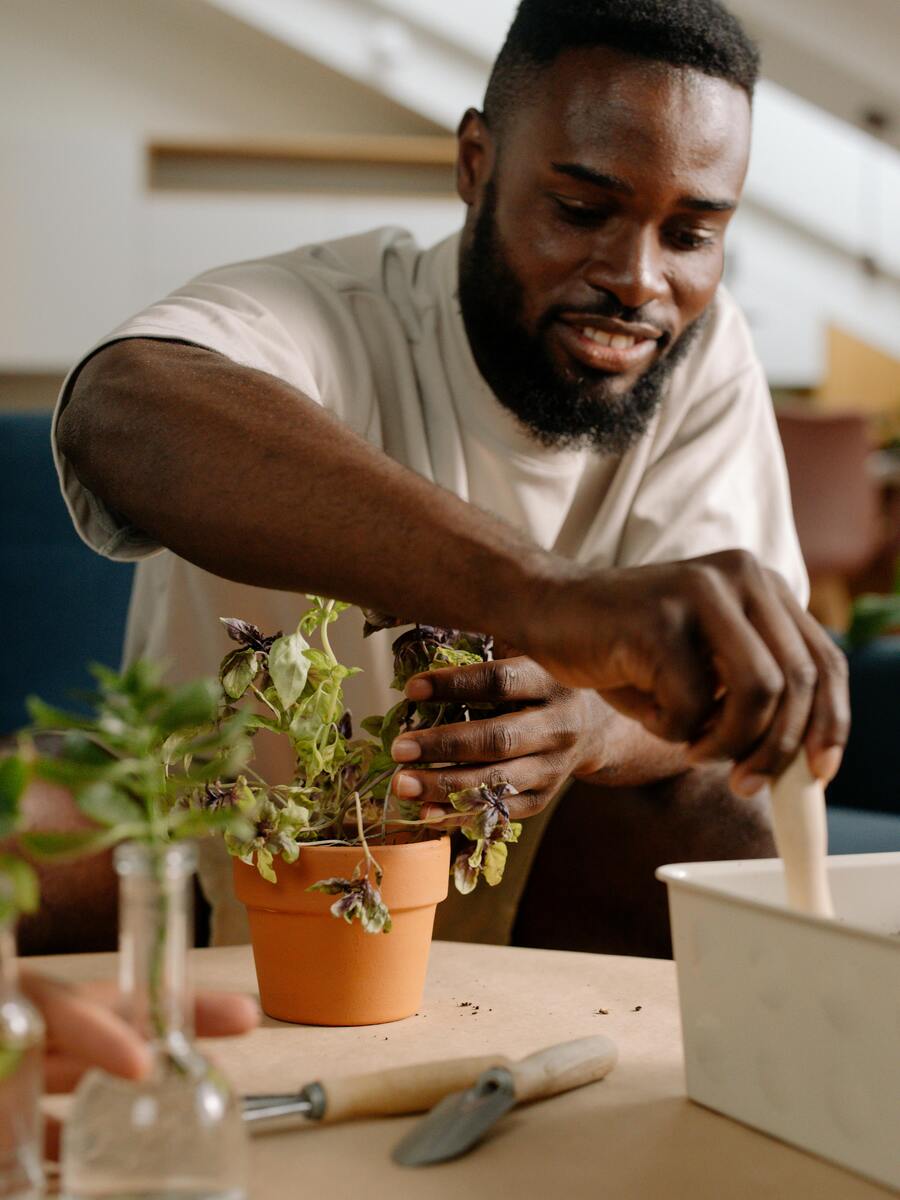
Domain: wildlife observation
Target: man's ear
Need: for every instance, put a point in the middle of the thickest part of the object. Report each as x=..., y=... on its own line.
x=474, y=156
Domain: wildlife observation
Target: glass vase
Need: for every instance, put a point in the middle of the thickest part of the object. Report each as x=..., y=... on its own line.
x=21, y=1082
x=178, y=1131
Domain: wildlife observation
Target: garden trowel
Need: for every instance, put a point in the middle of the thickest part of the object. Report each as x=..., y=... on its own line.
x=398, y=1090
x=459, y=1121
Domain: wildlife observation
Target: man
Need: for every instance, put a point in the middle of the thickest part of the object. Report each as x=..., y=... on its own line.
x=521, y=430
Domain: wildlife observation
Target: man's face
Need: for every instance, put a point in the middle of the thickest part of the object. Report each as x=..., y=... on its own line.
x=594, y=239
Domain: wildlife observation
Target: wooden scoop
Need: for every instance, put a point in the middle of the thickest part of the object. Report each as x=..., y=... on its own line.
x=801, y=837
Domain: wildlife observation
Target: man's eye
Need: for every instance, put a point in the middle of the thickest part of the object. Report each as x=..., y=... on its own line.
x=580, y=214
x=691, y=239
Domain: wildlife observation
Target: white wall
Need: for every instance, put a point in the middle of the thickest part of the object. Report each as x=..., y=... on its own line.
x=85, y=84
x=170, y=68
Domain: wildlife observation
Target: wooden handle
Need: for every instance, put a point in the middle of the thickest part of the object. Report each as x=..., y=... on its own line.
x=402, y=1089
x=559, y=1068
x=801, y=836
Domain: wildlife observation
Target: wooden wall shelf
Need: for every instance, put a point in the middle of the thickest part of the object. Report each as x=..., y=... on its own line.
x=387, y=164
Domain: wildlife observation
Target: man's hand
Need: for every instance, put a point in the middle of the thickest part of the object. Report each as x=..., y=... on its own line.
x=713, y=651
x=558, y=732
x=84, y=1029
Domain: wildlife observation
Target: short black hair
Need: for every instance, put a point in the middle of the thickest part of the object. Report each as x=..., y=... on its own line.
x=698, y=34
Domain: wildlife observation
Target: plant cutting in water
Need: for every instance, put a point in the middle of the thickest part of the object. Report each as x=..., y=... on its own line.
x=132, y=765
x=340, y=793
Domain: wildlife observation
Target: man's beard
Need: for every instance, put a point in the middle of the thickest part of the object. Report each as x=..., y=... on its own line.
x=580, y=410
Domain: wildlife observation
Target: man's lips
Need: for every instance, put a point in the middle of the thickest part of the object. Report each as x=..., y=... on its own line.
x=608, y=345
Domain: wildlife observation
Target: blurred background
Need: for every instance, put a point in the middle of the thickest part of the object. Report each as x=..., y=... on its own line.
x=143, y=141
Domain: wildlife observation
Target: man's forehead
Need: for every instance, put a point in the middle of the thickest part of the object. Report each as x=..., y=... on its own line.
x=597, y=99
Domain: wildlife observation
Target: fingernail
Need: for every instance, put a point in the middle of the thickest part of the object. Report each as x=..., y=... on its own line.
x=405, y=750
x=825, y=763
x=750, y=785
x=407, y=786
x=419, y=689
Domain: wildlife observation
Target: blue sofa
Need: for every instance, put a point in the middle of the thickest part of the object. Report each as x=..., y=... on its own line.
x=64, y=606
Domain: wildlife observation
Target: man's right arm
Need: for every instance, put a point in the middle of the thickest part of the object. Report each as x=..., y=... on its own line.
x=241, y=474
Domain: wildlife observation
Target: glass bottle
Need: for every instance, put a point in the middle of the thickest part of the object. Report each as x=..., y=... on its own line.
x=178, y=1132
x=21, y=1081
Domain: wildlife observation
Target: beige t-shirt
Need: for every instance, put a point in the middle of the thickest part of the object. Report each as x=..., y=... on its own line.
x=369, y=327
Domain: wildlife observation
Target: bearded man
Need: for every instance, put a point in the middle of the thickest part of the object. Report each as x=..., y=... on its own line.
x=524, y=430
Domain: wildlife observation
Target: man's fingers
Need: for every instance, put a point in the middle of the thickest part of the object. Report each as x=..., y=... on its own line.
x=62, y=1072
x=496, y=739
x=521, y=807
x=536, y=773
x=751, y=680
x=782, y=740
x=498, y=682
x=81, y=1029
x=84, y=1031
x=225, y=1014
x=829, y=722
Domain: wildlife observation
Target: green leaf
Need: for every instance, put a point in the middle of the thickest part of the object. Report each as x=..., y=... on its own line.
x=264, y=865
x=107, y=805
x=73, y=775
x=73, y=845
x=289, y=666
x=394, y=721
x=196, y=822
x=258, y=721
x=237, y=672
x=10, y=1057
x=494, y=863
x=13, y=779
x=188, y=706
x=18, y=884
x=45, y=716
x=871, y=616
x=372, y=725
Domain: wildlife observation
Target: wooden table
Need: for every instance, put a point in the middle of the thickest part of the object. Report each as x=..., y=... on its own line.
x=635, y=1136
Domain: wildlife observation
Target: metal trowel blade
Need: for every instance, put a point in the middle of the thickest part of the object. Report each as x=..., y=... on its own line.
x=458, y=1121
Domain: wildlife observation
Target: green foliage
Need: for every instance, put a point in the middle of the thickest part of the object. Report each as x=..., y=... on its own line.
x=871, y=616
x=18, y=881
x=19, y=891
x=340, y=786
x=13, y=778
x=489, y=830
x=135, y=763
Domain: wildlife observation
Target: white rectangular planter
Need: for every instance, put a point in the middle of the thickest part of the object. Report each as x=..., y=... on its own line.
x=792, y=1023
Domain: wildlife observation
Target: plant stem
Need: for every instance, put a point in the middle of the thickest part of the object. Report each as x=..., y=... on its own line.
x=271, y=707
x=371, y=864
x=323, y=632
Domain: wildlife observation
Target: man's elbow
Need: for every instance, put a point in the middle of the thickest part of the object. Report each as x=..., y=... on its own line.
x=96, y=403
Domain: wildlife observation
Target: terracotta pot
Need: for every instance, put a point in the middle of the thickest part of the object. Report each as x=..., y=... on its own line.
x=315, y=969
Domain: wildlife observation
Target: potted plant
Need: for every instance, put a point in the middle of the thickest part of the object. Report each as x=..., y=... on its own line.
x=133, y=766
x=330, y=843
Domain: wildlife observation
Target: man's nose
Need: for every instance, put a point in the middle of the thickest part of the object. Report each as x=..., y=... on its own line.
x=631, y=266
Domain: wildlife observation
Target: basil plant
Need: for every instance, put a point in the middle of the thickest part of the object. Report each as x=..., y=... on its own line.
x=292, y=686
